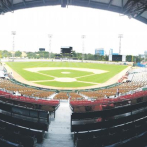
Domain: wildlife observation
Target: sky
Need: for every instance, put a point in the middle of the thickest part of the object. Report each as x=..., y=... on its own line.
x=67, y=25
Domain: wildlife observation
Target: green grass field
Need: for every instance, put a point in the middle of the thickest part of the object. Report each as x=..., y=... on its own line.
x=83, y=78
x=59, y=73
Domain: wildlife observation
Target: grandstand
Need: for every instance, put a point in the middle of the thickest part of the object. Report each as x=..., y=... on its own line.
x=110, y=116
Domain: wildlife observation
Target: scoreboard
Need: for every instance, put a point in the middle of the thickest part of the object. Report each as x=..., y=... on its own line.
x=66, y=50
x=117, y=58
x=42, y=49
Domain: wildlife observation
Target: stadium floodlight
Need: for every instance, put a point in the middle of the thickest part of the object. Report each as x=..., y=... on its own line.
x=83, y=37
x=13, y=44
x=120, y=36
x=50, y=38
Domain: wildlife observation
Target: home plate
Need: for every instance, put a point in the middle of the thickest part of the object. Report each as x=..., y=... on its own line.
x=65, y=79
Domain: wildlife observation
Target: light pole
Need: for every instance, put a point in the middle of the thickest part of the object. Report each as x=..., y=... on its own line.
x=13, y=44
x=120, y=36
x=83, y=37
x=49, y=53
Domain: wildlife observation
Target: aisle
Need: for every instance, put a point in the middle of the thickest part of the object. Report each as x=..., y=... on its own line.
x=59, y=134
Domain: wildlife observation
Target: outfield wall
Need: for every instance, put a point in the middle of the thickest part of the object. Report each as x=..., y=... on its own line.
x=57, y=60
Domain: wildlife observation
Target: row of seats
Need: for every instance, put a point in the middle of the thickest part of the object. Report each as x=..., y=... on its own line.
x=108, y=117
x=8, y=85
x=47, y=105
x=38, y=134
x=17, y=138
x=138, y=80
x=118, y=126
x=25, y=122
x=75, y=96
x=61, y=96
x=17, y=125
x=119, y=135
x=101, y=104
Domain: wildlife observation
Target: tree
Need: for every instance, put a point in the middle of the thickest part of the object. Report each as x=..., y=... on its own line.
x=18, y=54
x=139, y=59
x=52, y=55
x=6, y=54
x=79, y=56
x=106, y=58
x=74, y=54
x=31, y=55
x=96, y=57
x=129, y=58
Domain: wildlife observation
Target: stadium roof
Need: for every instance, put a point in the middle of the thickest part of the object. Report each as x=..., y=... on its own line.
x=133, y=8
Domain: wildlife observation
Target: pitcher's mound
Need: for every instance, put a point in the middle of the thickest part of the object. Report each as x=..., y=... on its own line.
x=65, y=72
x=65, y=79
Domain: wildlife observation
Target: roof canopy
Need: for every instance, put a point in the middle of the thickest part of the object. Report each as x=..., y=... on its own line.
x=133, y=8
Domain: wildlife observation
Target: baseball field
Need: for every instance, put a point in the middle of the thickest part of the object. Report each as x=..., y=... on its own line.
x=66, y=74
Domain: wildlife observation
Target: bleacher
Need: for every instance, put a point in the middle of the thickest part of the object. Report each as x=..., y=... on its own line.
x=112, y=125
x=117, y=120
x=28, y=97
x=61, y=96
x=75, y=96
x=21, y=126
x=23, y=90
x=24, y=114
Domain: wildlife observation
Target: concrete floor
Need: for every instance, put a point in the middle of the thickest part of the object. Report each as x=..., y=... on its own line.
x=59, y=134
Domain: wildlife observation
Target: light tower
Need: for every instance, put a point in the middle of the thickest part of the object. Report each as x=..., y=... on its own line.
x=13, y=44
x=83, y=49
x=120, y=36
x=50, y=39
